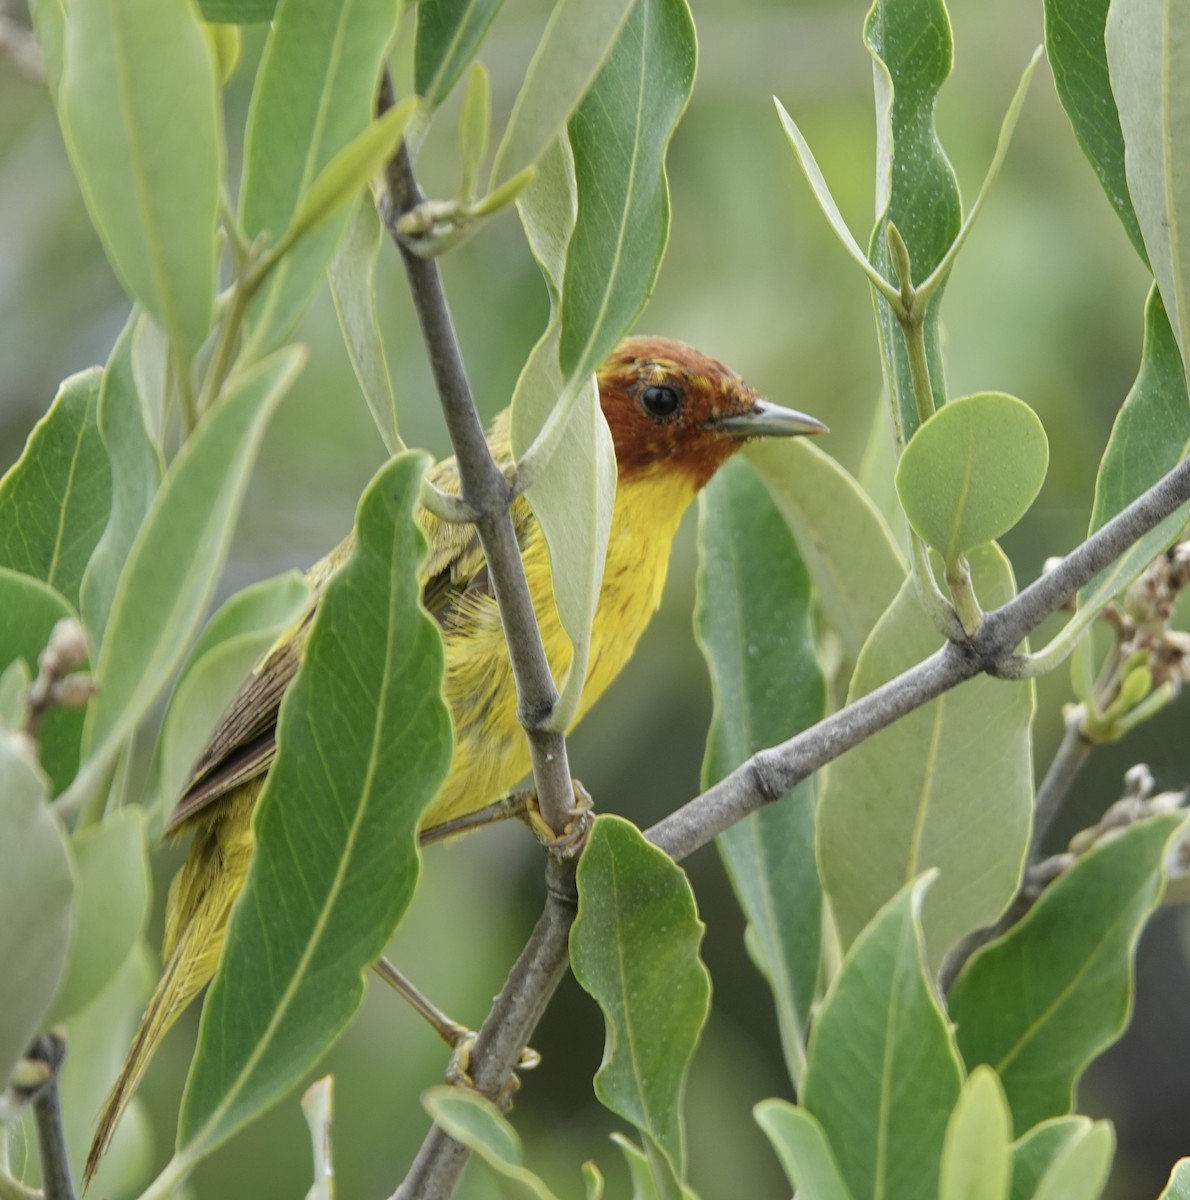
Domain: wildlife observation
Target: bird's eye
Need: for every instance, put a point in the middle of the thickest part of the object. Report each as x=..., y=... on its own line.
x=659, y=400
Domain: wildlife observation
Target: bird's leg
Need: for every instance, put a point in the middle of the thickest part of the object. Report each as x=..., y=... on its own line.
x=523, y=805
x=458, y=1037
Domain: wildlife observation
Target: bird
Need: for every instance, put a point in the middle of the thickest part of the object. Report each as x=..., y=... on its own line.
x=675, y=416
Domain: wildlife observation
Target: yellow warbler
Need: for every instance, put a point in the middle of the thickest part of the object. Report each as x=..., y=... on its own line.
x=675, y=416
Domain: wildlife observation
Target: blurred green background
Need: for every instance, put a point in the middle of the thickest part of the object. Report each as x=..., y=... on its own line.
x=1045, y=303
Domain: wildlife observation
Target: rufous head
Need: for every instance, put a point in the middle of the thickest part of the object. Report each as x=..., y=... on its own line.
x=672, y=407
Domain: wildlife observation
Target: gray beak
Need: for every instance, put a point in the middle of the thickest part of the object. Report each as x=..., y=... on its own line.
x=765, y=419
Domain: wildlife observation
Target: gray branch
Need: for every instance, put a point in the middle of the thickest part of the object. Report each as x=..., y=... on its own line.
x=488, y=494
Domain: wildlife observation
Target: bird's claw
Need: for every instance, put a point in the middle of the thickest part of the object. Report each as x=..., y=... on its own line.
x=573, y=838
x=458, y=1071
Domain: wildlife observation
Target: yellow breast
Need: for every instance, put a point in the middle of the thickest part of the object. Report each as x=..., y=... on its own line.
x=491, y=753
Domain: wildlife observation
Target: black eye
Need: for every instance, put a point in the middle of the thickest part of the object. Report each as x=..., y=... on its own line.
x=660, y=401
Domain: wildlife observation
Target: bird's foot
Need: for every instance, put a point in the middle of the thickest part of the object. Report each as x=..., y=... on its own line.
x=570, y=842
x=458, y=1072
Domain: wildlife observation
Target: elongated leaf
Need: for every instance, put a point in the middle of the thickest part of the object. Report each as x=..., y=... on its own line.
x=449, y=34
x=480, y=1126
x=136, y=470
x=619, y=135
x=1178, y=1187
x=49, y=23
x=848, y=549
x=753, y=626
x=916, y=190
x=883, y=1073
x=54, y=500
x=634, y=948
x=976, y=1164
x=364, y=743
x=175, y=561
x=1148, y=57
x=576, y=41
x=973, y=470
x=573, y=497
x=135, y=73
x=349, y=172
x=110, y=907
x=1081, y=1168
x=314, y=93
x=1074, y=43
x=35, y=897
x=352, y=275
x=1038, y=1004
x=1150, y=437
x=804, y=1152
x=237, y=12
x=950, y=786
x=234, y=641
x=1033, y=1153
x=31, y=610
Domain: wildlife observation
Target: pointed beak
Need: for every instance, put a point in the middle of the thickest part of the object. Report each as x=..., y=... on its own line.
x=765, y=419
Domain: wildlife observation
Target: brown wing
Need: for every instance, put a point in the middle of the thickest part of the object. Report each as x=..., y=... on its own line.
x=244, y=744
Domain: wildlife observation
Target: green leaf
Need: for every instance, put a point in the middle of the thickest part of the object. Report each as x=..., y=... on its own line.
x=449, y=34
x=364, y=743
x=54, y=499
x=976, y=1164
x=1150, y=437
x=822, y=193
x=1074, y=43
x=237, y=12
x=950, y=786
x=972, y=471
x=1033, y=1153
x=314, y=92
x=640, y=1170
x=110, y=907
x=804, y=1152
x=14, y=680
x=619, y=135
x=577, y=41
x=352, y=275
x=49, y=23
x=634, y=948
x=175, y=561
x=573, y=496
x=31, y=610
x=883, y=1073
x=475, y=122
x=753, y=626
x=35, y=898
x=348, y=173
x=1079, y=1172
x=848, y=549
x=1042, y=1001
x=233, y=643
x=910, y=42
x=1148, y=52
x=1178, y=1187
x=135, y=73
x=479, y=1125
x=136, y=470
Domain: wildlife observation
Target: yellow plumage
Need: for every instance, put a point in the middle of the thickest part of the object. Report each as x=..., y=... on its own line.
x=664, y=456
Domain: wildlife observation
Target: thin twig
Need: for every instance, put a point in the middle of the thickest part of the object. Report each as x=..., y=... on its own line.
x=488, y=494
x=47, y=1116
x=1068, y=760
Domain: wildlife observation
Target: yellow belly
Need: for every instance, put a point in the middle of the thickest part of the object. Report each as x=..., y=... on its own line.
x=491, y=752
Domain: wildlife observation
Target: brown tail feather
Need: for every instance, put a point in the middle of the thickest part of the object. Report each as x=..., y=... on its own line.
x=162, y=1012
